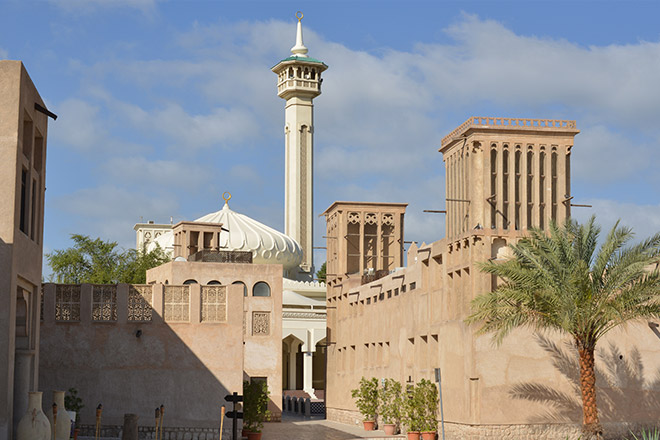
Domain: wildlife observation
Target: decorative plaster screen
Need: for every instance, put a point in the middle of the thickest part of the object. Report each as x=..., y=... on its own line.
x=177, y=304
x=260, y=323
x=104, y=303
x=214, y=303
x=67, y=302
x=140, y=299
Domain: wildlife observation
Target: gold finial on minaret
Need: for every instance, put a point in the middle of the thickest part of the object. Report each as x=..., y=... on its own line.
x=299, y=49
x=226, y=196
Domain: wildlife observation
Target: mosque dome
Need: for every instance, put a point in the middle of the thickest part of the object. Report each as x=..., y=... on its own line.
x=242, y=233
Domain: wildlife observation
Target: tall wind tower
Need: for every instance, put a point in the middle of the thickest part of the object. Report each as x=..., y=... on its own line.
x=299, y=82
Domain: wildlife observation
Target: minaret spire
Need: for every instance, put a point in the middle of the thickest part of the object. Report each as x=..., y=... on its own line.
x=299, y=82
x=299, y=49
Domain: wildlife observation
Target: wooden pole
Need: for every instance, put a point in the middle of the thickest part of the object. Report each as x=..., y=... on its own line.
x=162, y=414
x=222, y=420
x=157, y=420
x=54, y=421
x=97, y=432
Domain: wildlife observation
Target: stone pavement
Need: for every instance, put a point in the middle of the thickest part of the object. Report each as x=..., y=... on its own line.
x=293, y=427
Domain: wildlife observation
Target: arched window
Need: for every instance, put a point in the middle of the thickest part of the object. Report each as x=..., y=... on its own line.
x=261, y=289
x=241, y=283
x=190, y=282
x=214, y=283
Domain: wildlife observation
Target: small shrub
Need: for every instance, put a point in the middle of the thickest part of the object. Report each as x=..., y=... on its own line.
x=390, y=401
x=255, y=405
x=366, y=398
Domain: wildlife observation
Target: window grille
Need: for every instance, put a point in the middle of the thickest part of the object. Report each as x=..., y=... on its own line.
x=177, y=304
x=140, y=303
x=214, y=304
x=104, y=303
x=67, y=302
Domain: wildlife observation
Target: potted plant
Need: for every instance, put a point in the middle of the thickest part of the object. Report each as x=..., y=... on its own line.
x=413, y=409
x=255, y=407
x=366, y=399
x=390, y=402
x=73, y=404
x=428, y=396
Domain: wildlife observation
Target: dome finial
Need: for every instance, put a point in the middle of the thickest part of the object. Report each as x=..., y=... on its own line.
x=299, y=49
x=226, y=196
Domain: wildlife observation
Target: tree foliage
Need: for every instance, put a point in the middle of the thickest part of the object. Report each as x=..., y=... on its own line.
x=564, y=281
x=320, y=274
x=101, y=262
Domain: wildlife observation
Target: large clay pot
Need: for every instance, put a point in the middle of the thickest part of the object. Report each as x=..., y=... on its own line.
x=34, y=424
x=413, y=435
x=389, y=428
x=63, y=420
x=254, y=436
x=369, y=425
x=428, y=435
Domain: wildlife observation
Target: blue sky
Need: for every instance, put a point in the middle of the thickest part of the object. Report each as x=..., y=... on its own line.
x=164, y=105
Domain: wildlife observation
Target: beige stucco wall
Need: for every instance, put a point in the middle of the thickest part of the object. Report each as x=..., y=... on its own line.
x=187, y=366
x=522, y=388
x=20, y=252
x=263, y=352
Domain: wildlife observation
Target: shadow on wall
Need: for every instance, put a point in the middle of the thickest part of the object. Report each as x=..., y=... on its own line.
x=624, y=394
x=134, y=367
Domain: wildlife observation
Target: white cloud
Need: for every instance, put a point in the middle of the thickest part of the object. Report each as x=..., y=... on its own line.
x=89, y=6
x=78, y=125
x=139, y=172
x=643, y=219
x=4, y=54
x=598, y=152
x=110, y=212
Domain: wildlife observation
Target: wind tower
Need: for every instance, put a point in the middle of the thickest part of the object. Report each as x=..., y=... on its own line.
x=299, y=82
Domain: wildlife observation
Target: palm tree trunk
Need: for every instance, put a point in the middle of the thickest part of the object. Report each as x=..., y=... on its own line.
x=590, y=423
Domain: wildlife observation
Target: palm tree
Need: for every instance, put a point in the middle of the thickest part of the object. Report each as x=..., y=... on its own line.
x=565, y=281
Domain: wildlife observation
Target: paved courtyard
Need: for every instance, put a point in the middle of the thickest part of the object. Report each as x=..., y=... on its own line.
x=318, y=429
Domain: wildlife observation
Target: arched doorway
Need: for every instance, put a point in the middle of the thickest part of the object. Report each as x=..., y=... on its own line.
x=291, y=363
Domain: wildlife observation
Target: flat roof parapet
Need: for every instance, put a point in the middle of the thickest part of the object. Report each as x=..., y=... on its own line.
x=510, y=123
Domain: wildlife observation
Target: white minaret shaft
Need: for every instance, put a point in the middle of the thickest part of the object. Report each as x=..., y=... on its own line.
x=299, y=82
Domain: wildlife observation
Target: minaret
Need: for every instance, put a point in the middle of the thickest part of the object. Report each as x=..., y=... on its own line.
x=299, y=82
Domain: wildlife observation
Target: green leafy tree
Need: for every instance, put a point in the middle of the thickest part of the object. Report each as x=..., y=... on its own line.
x=101, y=262
x=564, y=281
x=320, y=274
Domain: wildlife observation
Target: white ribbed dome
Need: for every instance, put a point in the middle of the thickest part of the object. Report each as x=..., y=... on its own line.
x=245, y=234
x=267, y=245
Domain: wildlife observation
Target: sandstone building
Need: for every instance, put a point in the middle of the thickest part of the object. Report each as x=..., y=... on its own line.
x=503, y=176
x=23, y=133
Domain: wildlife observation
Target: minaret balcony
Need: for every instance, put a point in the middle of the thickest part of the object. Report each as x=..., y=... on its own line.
x=298, y=85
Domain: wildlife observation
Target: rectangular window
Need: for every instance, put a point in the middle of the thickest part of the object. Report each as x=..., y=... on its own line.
x=37, y=161
x=33, y=210
x=104, y=303
x=177, y=304
x=24, y=202
x=27, y=136
x=413, y=286
x=67, y=302
x=140, y=299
